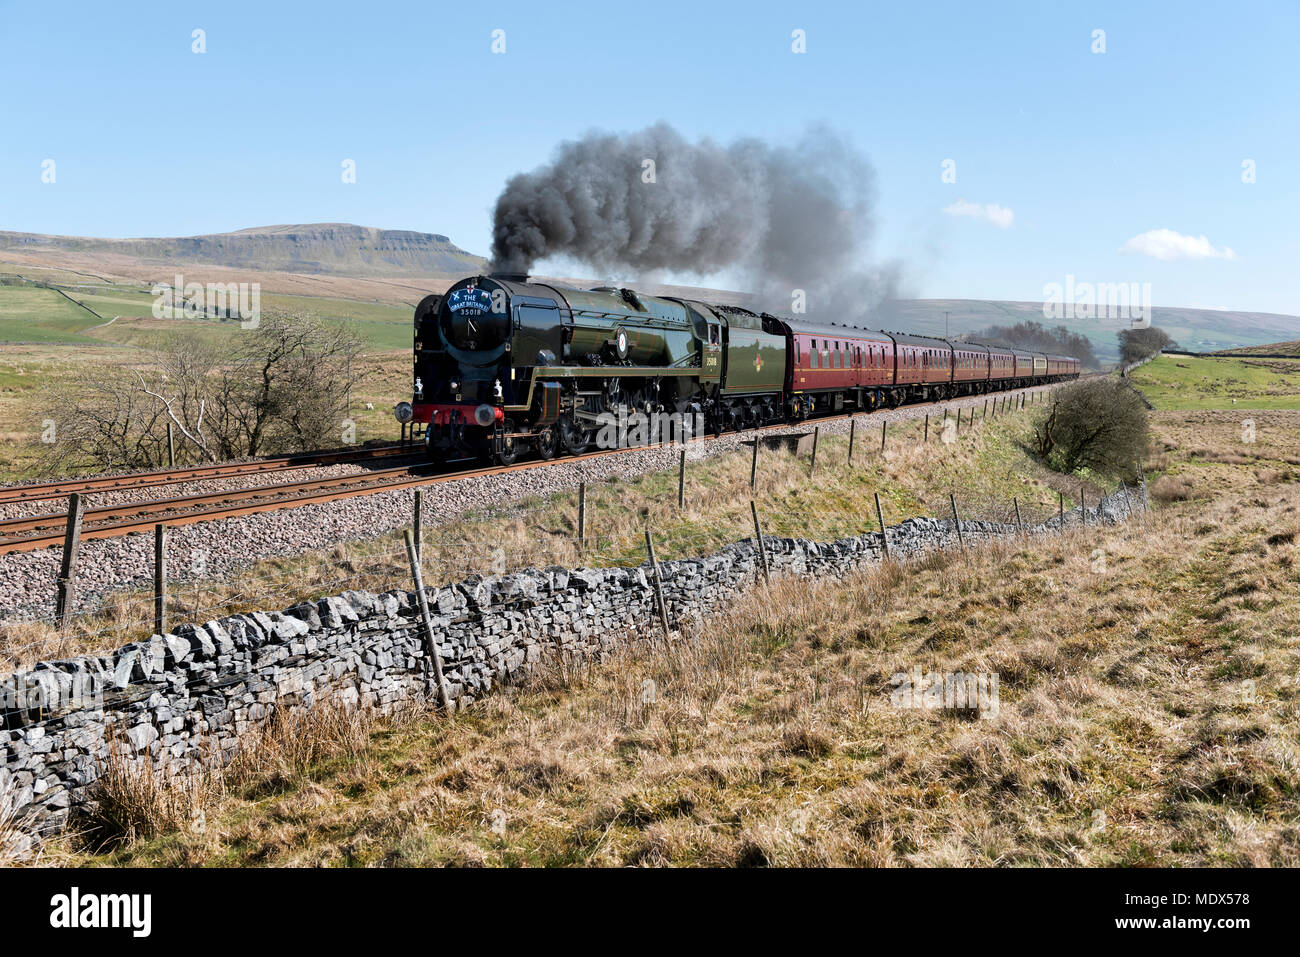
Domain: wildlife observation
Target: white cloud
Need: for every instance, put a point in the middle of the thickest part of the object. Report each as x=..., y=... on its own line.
x=999, y=216
x=1168, y=245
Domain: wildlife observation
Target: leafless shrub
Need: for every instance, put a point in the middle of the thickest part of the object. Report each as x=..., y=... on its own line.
x=281, y=388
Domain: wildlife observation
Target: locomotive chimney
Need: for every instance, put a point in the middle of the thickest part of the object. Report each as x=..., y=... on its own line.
x=511, y=276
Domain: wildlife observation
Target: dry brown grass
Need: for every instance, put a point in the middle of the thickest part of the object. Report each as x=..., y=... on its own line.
x=138, y=797
x=1147, y=715
x=1172, y=488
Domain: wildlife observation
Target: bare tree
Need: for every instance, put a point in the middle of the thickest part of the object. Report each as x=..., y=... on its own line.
x=101, y=418
x=296, y=369
x=281, y=388
x=184, y=372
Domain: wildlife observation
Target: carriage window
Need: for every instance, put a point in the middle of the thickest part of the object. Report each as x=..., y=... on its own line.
x=814, y=356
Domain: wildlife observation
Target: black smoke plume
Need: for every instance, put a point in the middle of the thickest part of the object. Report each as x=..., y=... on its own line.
x=778, y=217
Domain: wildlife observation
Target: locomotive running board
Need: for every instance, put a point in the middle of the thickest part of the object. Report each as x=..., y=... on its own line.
x=591, y=372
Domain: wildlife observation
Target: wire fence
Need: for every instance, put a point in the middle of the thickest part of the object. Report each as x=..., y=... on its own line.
x=597, y=527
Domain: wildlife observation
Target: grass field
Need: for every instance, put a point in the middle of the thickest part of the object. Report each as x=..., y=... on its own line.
x=31, y=314
x=36, y=315
x=1147, y=715
x=1185, y=382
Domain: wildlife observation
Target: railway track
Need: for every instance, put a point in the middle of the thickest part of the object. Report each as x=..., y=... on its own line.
x=136, y=480
x=110, y=521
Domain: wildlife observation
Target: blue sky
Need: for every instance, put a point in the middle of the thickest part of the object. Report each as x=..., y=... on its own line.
x=1105, y=161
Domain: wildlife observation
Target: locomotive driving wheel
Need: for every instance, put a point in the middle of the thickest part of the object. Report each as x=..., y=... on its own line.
x=509, y=449
x=572, y=436
x=548, y=443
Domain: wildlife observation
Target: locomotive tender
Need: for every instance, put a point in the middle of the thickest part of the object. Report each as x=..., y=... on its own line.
x=504, y=366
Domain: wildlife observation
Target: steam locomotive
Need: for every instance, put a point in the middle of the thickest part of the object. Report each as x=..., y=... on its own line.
x=505, y=366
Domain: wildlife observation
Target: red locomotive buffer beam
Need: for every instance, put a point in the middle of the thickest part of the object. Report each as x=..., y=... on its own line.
x=453, y=413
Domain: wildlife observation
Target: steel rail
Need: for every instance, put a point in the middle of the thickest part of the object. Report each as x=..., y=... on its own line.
x=118, y=520
x=133, y=480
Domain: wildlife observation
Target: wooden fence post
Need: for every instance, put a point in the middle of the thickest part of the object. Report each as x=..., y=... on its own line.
x=758, y=536
x=681, y=481
x=927, y=428
x=160, y=579
x=658, y=582
x=880, y=517
x=1061, y=511
x=66, y=586
x=430, y=646
x=986, y=408
x=753, y=467
x=582, y=514
x=853, y=430
x=958, y=432
x=817, y=431
x=961, y=540
x=171, y=448
x=883, y=427
x=417, y=523
x=1083, y=505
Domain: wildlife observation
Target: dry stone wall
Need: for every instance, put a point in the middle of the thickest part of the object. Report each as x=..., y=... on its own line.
x=191, y=696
